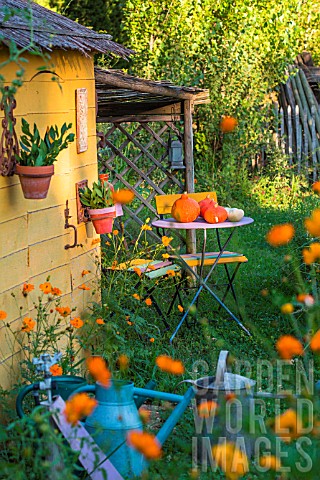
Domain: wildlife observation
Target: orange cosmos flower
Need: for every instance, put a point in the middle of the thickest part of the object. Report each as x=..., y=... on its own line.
x=100, y=321
x=46, y=287
x=151, y=340
x=85, y=272
x=312, y=224
x=98, y=369
x=145, y=443
x=78, y=406
x=64, y=311
x=123, y=362
x=76, y=322
x=316, y=187
x=169, y=365
x=3, y=315
x=123, y=196
x=315, y=342
x=55, y=370
x=171, y=273
x=166, y=240
x=287, y=308
x=129, y=323
x=207, y=408
x=232, y=461
x=27, y=288
x=28, y=324
x=146, y=227
x=84, y=287
x=311, y=254
x=286, y=425
x=289, y=346
x=115, y=232
x=136, y=296
x=228, y=124
x=270, y=462
x=165, y=255
x=305, y=298
x=56, y=291
x=280, y=235
x=148, y=302
x=180, y=308
x=137, y=271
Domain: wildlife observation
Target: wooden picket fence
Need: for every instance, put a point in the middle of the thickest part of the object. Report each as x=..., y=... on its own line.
x=298, y=126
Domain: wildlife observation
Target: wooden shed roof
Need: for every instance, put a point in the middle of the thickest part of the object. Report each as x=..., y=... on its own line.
x=122, y=94
x=51, y=30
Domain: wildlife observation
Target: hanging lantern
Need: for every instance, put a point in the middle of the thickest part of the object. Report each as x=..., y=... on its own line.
x=175, y=154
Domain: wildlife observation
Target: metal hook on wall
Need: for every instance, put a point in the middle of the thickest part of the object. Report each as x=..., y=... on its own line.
x=69, y=225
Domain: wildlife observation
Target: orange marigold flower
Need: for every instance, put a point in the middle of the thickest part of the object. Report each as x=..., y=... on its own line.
x=137, y=270
x=76, y=322
x=280, y=235
x=145, y=443
x=3, y=315
x=311, y=254
x=169, y=365
x=289, y=346
x=27, y=288
x=123, y=362
x=166, y=240
x=165, y=255
x=56, y=291
x=315, y=342
x=84, y=287
x=232, y=461
x=46, y=287
x=136, y=296
x=146, y=227
x=316, y=187
x=28, y=324
x=100, y=321
x=287, y=308
x=148, y=302
x=207, y=408
x=228, y=124
x=171, y=273
x=99, y=370
x=85, y=272
x=180, y=308
x=64, y=311
x=123, y=196
x=270, y=462
x=55, y=370
x=78, y=406
x=312, y=224
x=115, y=232
x=287, y=425
x=151, y=340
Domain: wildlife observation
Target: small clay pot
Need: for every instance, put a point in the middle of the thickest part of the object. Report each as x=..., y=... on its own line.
x=35, y=181
x=102, y=219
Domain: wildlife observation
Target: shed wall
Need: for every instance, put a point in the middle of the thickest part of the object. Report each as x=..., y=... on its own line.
x=32, y=233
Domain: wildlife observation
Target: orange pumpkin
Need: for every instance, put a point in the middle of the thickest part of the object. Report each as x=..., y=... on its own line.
x=215, y=214
x=185, y=209
x=205, y=203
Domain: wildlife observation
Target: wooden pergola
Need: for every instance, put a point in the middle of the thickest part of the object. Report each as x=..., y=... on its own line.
x=132, y=108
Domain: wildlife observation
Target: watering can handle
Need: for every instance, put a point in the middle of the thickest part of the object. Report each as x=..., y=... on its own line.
x=221, y=366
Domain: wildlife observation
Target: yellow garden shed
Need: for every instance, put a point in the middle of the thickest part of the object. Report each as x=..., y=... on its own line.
x=56, y=89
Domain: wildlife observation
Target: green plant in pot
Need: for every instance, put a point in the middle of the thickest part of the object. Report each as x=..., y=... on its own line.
x=100, y=204
x=37, y=155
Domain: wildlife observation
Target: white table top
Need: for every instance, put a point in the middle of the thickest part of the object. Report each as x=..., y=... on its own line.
x=199, y=223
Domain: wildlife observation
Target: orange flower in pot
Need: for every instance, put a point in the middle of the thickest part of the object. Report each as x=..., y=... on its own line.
x=37, y=155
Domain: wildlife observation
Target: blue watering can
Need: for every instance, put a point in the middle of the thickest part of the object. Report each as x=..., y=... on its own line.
x=117, y=414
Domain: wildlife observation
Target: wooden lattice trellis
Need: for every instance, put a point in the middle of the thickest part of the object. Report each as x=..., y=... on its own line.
x=149, y=173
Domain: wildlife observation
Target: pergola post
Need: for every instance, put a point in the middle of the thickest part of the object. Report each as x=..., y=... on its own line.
x=188, y=158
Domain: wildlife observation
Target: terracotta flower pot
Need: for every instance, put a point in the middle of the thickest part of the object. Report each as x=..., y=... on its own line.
x=102, y=219
x=35, y=181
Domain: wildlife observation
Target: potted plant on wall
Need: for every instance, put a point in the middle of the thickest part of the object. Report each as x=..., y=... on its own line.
x=100, y=204
x=37, y=155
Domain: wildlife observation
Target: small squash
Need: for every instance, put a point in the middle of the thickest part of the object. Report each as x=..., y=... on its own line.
x=205, y=203
x=185, y=209
x=235, y=214
x=215, y=214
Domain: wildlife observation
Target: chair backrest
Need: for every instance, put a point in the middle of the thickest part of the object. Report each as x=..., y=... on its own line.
x=164, y=202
